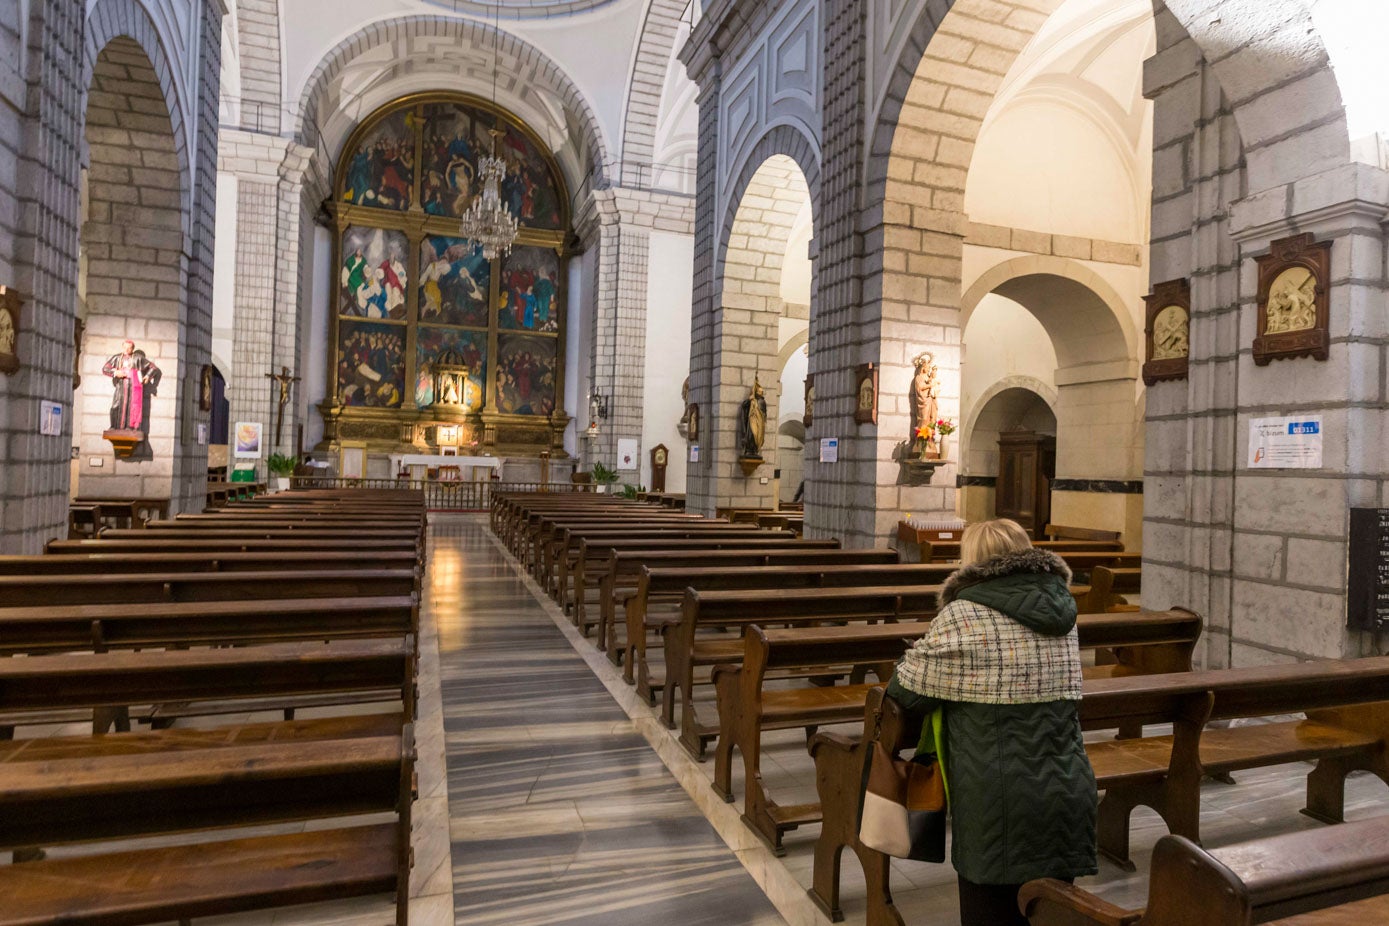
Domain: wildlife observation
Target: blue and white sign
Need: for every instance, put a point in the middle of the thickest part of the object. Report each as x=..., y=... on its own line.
x=829, y=450
x=50, y=419
x=1285, y=443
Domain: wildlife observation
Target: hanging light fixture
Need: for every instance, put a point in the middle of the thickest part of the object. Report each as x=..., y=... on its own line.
x=488, y=222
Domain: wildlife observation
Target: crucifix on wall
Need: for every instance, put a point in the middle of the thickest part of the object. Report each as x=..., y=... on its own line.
x=284, y=381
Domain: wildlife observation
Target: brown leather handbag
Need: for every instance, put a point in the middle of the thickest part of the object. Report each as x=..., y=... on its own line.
x=903, y=805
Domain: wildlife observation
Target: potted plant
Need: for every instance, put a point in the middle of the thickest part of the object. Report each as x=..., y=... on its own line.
x=603, y=476
x=281, y=467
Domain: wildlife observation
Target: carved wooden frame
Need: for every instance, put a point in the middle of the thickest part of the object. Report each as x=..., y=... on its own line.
x=692, y=426
x=866, y=373
x=10, y=302
x=1284, y=254
x=1170, y=293
x=808, y=414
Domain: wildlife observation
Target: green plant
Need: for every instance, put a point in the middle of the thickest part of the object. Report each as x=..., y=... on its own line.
x=279, y=464
x=630, y=491
x=602, y=475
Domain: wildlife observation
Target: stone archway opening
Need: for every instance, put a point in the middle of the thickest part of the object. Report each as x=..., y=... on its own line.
x=1009, y=410
x=132, y=282
x=765, y=287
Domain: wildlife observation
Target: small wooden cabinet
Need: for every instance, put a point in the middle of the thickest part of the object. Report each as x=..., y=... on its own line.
x=1026, y=468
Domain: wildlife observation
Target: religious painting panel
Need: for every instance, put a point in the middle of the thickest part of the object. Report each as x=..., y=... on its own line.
x=371, y=364
x=530, y=290
x=455, y=282
x=380, y=170
x=450, y=345
x=526, y=375
x=9, y=330
x=455, y=137
x=1294, y=300
x=373, y=275
x=529, y=185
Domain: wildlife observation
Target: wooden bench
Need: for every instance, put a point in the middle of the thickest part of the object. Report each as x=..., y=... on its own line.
x=562, y=558
x=655, y=606
x=1144, y=643
x=1108, y=587
x=737, y=610
x=621, y=584
x=747, y=707
x=595, y=550
x=194, y=623
x=1065, y=532
x=223, y=544
x=148, y=563
x=104, y=795
x=948, y=551
x=1337, y=876
x=95, y=588
x=534, y=543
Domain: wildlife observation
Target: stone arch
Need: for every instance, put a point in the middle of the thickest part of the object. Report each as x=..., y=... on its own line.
x=1045, y=391
x=1083, y=303
x=426, y=48
x=796, y=342
x=110, y=19
x=771, y=189
x=136, y=272
x=1012, y=401
x=258, y=33
x=650, y=63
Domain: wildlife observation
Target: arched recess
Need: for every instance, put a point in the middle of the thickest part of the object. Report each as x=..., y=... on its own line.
x=734, y=329
x=396, y=57
x=651, y=72
x=744, y=347
x=1018, y=403
x=136, y=267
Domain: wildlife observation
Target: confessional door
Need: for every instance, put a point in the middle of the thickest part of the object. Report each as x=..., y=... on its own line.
x=1026, y=468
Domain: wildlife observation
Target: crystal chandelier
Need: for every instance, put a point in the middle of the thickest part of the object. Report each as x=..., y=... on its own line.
x=488, y=221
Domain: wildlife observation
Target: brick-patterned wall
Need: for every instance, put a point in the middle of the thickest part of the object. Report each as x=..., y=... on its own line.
x=258, y=29
x=137, y=268
x=39, y=169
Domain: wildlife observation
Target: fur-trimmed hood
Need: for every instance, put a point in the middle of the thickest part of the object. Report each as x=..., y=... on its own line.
x=1030, y=586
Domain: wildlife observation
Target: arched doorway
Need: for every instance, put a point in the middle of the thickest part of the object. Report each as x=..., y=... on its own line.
x=132, y=283
x=993, y=431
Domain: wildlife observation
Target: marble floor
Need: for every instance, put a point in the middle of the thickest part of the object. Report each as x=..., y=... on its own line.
x=560, y=811
x=1262, y=802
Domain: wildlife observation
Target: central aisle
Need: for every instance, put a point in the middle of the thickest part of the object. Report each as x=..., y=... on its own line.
x=561, y=813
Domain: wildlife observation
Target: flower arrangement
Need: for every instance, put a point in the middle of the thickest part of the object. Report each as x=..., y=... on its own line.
x=945, y=427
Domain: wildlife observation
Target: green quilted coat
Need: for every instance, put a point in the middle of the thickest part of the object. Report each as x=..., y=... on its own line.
x=1022, y=793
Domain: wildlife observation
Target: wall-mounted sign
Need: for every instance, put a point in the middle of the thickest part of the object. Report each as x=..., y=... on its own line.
x=626, y=454
x=1285, y=443
x=694, y=451
x=50, y=418
x=829, y=450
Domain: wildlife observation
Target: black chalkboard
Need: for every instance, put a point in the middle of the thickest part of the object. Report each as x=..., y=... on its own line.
x=1367, y=594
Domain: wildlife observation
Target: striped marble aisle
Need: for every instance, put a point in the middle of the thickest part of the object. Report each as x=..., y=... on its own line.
x=560, y=811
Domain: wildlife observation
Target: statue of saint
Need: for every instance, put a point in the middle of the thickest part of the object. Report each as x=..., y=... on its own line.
x=925, y=397
x=752, y=423
x=132, y=373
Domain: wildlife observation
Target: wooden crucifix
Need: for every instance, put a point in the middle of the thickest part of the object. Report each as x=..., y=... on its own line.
x=283, y=380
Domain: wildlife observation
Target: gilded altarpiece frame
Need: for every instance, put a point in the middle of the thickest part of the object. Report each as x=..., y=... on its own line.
x=409, y=214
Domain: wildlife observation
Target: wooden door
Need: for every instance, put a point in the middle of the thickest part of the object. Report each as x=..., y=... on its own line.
x=1026, y=468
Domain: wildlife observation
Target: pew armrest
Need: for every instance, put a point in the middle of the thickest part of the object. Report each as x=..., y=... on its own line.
x=832, y=741
x=1048, y=902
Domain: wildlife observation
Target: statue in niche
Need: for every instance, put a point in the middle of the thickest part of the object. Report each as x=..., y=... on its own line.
x=752, y=423
x=683, y=426
x=925, y=401
x=1292, y=301
x=1171, y=336
x=450, y=377
x=133, y=375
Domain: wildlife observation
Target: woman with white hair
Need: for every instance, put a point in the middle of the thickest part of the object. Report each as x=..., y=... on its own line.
x=1002, y=660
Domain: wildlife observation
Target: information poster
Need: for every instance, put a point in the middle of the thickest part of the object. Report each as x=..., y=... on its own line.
x=1285, y=443
x=50, y=419
x=829, y=450
x=626, y=454
x=694, y=453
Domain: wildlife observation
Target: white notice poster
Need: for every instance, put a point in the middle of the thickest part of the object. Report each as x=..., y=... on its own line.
x=1285, y=443
x=626, y=454
x=829, y=450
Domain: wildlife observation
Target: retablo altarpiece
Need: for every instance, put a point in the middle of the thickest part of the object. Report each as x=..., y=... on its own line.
x=426, y=332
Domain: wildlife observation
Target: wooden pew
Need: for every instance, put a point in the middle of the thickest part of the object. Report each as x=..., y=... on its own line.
x=948, y=551
x=534, y=541
x=223, y=544
x=666, y=586
x=96, y=588
x=1337, y=876
x=147, y=563
x=621, y=584
x=746, y=707
x=560, y=552
x=595, y=554
x=1108, y=584
x=737, y=610
x=363, y=536
x=109, y=626
x=1064, y=532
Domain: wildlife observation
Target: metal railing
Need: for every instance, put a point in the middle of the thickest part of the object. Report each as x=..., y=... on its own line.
x=440, y=495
